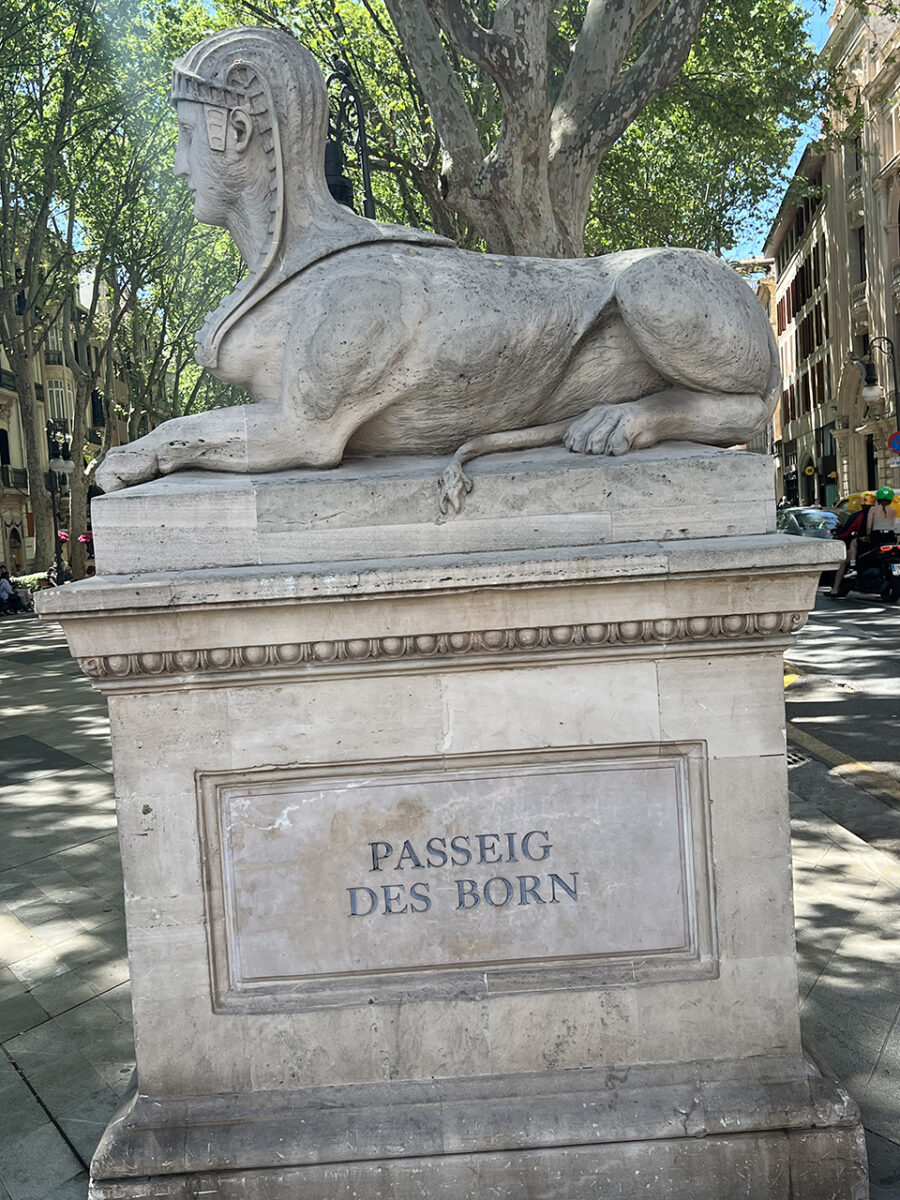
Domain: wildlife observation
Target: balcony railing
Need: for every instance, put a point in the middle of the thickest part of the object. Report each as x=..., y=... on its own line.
x=14, y=477
x=8, y=383
x=858, y=295
x=854, y=186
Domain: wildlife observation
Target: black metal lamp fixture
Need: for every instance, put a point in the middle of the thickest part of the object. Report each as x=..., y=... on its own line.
x=347, y=117
x=871, y=387
x=872, y=392
x=885, y=346
x=61, y=467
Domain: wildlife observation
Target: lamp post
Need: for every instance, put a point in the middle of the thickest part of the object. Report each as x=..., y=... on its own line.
x=349, y=115
x=872, y=391
x=61, y=467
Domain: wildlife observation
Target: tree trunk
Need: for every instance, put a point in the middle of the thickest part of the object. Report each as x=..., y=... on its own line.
x=530, y=192
x=35, y=437
x=78, y=480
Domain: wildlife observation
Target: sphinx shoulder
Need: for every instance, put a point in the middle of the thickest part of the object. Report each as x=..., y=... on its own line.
x=354, y=328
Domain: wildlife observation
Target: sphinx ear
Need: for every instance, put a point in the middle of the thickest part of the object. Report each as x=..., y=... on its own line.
x=241, y=124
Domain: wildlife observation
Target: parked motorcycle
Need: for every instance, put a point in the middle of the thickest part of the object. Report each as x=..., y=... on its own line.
x=877, y=570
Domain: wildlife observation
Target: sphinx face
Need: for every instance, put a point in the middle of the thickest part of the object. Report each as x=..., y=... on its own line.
x=213, y=179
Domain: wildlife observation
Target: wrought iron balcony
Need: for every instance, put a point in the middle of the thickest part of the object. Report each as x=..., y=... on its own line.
x=8, y=383
x=854, y=187
x=14, y=477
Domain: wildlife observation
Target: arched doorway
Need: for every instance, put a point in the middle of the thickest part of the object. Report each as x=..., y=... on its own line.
x=16, y=557
x=808, y=489
x=852, y=466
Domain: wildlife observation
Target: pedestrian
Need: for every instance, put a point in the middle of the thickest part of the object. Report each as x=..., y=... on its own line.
x=850, y=536
x=10, y=601
x=881, y=524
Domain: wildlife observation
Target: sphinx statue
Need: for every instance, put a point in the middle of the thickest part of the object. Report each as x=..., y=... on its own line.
x=359, y=338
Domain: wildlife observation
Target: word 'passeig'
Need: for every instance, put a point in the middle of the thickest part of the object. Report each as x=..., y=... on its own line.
x=463, y=850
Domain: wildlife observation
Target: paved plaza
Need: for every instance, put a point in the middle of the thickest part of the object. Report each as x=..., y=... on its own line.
x=67, y=1051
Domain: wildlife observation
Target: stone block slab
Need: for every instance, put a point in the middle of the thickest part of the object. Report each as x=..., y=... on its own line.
x=388, y=508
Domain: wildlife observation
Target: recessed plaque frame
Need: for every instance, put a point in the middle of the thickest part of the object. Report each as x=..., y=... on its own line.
x=267, y=832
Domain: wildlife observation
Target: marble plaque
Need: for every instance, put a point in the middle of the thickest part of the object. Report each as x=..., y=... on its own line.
x=525, y=861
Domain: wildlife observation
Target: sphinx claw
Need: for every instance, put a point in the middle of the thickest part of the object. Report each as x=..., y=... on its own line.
x=454, y=485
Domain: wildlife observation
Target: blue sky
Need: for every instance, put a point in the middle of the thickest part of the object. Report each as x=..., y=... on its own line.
x=818, y=24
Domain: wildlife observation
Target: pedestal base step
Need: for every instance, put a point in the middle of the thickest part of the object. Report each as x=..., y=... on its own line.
x=814, y=1164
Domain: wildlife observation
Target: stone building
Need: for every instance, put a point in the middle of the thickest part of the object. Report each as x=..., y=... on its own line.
x=55, y=394
x=836, y=245
x=798, y=242
x=15, y=511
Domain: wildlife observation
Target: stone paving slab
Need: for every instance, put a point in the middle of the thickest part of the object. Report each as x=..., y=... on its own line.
x=66, y=1050
x=65, y=1022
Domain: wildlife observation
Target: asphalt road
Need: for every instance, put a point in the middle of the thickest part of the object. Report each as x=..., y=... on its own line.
x=847, y=690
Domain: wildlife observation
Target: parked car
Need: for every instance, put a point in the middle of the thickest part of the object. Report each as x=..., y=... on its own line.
x=814, y=523
x=808, y=522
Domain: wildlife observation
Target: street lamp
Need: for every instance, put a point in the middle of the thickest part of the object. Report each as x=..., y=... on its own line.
x=872, y=393
x=61, y=467
x=349, y=115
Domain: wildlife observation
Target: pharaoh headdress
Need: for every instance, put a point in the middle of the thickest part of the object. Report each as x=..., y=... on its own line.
x=270, y=75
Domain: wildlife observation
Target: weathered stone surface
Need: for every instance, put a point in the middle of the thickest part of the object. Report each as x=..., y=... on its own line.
x=385, y=509
x=273, y=724
x=352, y=336
x=807, y=1165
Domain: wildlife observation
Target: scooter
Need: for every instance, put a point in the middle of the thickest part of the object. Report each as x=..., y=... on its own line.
x=877, y=570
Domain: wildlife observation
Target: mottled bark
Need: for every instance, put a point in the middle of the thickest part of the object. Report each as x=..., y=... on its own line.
x=529, y=192
x=34, y=435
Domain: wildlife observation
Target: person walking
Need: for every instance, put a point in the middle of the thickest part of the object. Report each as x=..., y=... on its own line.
x=881, y=523
x=850, y=536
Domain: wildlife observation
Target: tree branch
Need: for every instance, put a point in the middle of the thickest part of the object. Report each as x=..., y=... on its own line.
x=462, y=147
x=607, y=32
x=465, y=34
x=588, y=127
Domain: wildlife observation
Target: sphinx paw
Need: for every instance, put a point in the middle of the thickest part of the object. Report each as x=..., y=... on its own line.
x=454, y=485
x=606, y=429
x=124, y=466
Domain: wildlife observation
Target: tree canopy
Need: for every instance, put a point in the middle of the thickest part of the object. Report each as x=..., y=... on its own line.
x=705, y=164
x=519, y=126
x=693, y=166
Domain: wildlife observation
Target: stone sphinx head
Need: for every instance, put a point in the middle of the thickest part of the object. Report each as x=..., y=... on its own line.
x=252, y=118
x=252, y=122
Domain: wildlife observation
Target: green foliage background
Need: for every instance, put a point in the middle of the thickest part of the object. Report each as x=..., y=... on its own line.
x=703, y=166
x=700, y=167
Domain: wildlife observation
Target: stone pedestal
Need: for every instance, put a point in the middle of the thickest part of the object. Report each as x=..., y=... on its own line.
x=456, y=853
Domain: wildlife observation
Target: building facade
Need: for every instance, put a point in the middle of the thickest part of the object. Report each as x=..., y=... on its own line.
x=17, y=546
x=836, y=247
x=55, y=395
x=804, y=446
